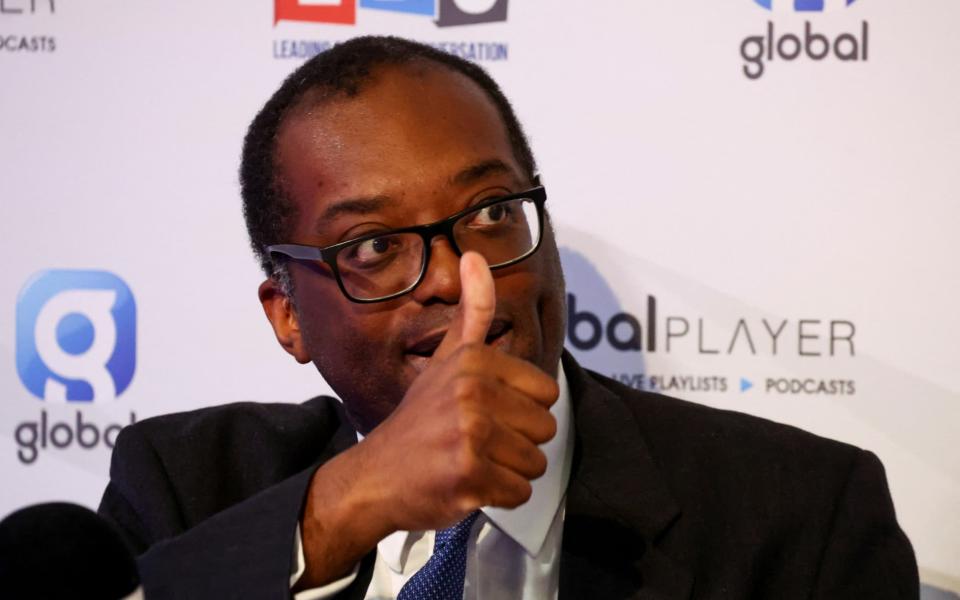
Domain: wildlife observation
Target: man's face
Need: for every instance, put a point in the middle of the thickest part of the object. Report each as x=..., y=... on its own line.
x=417, y=144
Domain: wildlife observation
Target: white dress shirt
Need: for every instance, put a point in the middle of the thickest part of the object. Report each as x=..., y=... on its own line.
x=511, y=553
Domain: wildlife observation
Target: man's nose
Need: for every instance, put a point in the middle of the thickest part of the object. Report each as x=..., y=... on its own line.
x=441, y=282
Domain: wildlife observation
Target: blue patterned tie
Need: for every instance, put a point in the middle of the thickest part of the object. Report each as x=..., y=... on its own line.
x=442, y=577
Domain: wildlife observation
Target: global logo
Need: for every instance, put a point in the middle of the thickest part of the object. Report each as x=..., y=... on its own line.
x=811, y=44
x=76, y=336
x=804, y=5
x=446, y=13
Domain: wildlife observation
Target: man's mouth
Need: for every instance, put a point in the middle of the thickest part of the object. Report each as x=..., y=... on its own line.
x=426, y=346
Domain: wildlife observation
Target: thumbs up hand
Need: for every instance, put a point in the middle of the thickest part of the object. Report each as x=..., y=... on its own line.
x=467, y=432
x=465, y=435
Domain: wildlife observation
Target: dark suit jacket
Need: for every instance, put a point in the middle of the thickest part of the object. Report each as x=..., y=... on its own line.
x=667, y=500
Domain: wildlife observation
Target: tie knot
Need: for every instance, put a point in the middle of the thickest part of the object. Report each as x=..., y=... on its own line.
x=457, y=533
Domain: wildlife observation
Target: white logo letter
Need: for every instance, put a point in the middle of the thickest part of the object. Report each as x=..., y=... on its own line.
x=90, y=366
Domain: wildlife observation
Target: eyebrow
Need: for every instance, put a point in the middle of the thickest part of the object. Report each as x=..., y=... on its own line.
x=479, y=171
x=353, y=206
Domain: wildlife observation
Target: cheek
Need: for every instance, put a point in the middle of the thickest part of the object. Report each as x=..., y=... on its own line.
x=328, y=328
x=521, y=294
x=547, y=285
x=551, y=306
x=344, y=339
x=338, y=338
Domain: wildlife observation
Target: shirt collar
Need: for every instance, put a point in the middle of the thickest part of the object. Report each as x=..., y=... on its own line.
x=529, y=523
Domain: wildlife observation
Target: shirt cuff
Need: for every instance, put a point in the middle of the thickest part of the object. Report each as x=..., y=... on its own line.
x=321, y=593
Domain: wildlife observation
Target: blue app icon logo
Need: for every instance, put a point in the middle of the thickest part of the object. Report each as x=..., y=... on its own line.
x=801, y=5
x=76, y=336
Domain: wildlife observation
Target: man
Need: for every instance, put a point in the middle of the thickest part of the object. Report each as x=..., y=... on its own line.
x=394, y=204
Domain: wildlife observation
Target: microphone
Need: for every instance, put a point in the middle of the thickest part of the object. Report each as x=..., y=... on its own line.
x=61, y=550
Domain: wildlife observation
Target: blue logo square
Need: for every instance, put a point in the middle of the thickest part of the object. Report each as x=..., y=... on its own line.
x=76, y=336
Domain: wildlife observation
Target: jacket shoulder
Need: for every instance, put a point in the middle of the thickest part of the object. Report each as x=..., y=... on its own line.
x=754, y=508
x=205, y=460
x=229, y=424
x=724, y=462
x=675, y=425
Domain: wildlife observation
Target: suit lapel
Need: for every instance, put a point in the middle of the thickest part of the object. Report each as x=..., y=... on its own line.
x=617, y=505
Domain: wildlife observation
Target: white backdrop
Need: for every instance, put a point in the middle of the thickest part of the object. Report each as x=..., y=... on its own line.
x=816, y=200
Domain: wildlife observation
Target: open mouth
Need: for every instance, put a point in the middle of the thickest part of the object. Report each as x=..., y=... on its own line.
x=428, y=345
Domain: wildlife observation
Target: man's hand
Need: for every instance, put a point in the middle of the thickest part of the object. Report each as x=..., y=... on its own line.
x=467, y=431
x=465, y=435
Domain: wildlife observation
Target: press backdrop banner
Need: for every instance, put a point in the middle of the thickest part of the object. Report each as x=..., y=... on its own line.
x=756, y=203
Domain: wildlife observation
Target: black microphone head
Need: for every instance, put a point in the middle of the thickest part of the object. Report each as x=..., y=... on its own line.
x=62, y=550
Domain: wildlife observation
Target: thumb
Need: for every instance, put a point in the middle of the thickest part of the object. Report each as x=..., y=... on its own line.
x=478, y=302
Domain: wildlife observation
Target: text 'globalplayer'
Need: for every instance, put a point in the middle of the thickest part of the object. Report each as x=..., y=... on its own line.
x=625, y=332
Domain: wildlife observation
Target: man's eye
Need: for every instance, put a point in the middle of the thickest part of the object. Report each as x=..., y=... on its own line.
x=373, y=250
x=491, y=215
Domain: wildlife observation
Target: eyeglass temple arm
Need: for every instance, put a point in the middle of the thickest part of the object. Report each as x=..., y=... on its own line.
x=296, y=251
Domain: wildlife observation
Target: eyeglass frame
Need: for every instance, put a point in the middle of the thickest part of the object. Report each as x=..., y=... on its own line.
x=328, y=254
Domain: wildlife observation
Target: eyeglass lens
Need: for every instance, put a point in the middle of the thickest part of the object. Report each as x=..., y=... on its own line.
x=392, y=263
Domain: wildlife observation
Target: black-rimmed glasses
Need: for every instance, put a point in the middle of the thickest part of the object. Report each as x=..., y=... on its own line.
x=386, y=264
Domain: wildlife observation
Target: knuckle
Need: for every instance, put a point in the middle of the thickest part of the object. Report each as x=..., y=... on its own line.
x=546, y=427
x=538, y=462
x=467, y=468
x=551, y=426
x=550, y=388
x=554, y=391
x=467, y=503
x=460, y=497
x=521, y=494
x=466, y=388
x=476, y=427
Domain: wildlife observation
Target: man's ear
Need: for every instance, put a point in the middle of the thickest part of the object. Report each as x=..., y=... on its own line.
x=283, y=317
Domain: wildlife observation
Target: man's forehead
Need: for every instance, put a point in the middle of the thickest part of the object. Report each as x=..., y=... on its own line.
x=396, y=87
x=405, y=125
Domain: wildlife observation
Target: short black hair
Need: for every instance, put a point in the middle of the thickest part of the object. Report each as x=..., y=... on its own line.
x=339, y=71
